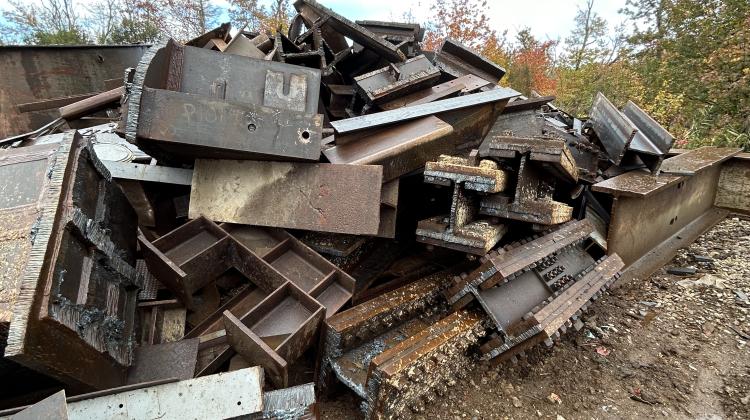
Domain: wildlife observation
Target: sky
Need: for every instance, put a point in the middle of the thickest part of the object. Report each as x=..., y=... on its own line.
x=548, y=19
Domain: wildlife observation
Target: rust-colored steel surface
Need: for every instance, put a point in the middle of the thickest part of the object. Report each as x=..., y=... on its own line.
x=70, y=282
x=31, y=74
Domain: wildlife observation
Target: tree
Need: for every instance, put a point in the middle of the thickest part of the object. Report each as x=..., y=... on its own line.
x=186, y=19
x=48, y=22
x=587, y=42
x=531, y=66
x=465, y=21
x=140, y=22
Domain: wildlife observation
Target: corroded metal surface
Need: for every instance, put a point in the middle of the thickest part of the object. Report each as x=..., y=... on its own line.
x=399, y=149
x=501, y=265
x=697, y=160
x=35, y=73
x=458, y=60
x=462, y=229
x=397, y=80
x=69, y=285
x=321, y=197
x=553, y=317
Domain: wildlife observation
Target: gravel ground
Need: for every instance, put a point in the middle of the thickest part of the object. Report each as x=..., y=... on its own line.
x=666, y=347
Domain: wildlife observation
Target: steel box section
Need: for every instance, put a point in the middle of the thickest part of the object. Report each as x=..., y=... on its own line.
x=35, y=73
x=71, y=282
x=652, y=217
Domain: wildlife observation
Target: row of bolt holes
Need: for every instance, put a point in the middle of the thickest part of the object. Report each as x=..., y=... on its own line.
x=253, y=127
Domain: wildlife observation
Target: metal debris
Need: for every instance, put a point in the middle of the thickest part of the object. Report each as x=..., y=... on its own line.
x=143, y=220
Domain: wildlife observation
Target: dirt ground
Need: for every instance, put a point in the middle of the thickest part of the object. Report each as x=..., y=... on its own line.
x=664, y=347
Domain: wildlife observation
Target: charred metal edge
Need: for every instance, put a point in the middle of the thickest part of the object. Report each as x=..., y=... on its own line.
x=428, y=377
x=134, y=90
x=510, y=344
x=40, y=237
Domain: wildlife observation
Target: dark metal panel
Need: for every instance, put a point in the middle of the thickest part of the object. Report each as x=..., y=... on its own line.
x=31, y=74
x=189, y=126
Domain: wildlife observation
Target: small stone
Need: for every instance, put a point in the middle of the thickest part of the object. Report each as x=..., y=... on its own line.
x=554, y=398
x=745, y=400
x=516, y=402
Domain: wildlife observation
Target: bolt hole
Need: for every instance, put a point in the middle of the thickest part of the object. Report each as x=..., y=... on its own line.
x=120, y=405
x=305, y=134
x=239, y=402
x=252, y=127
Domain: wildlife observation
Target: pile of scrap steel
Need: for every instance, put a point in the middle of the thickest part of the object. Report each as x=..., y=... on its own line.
x=264, y=216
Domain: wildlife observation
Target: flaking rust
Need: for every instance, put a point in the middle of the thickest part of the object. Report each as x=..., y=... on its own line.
x=503, y=264
x=556, y=315
x=406, y=377
x=462, y=229
x=71, y=273
x=400, y=350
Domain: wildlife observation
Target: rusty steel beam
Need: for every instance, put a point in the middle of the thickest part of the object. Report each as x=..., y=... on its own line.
x=532, y=201
x=614, y=130
x=404, y=378
x=396, y=80
x=396, y=148
x=550, y=153
x=321, y=197
x=70, y=282
x=314, y=13
x=502, y=265
x=555, y=316
x=648, y=213
x=462, y=230
x=457, y=60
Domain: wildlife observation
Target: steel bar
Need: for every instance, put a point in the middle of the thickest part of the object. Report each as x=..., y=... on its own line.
x=350, y=125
